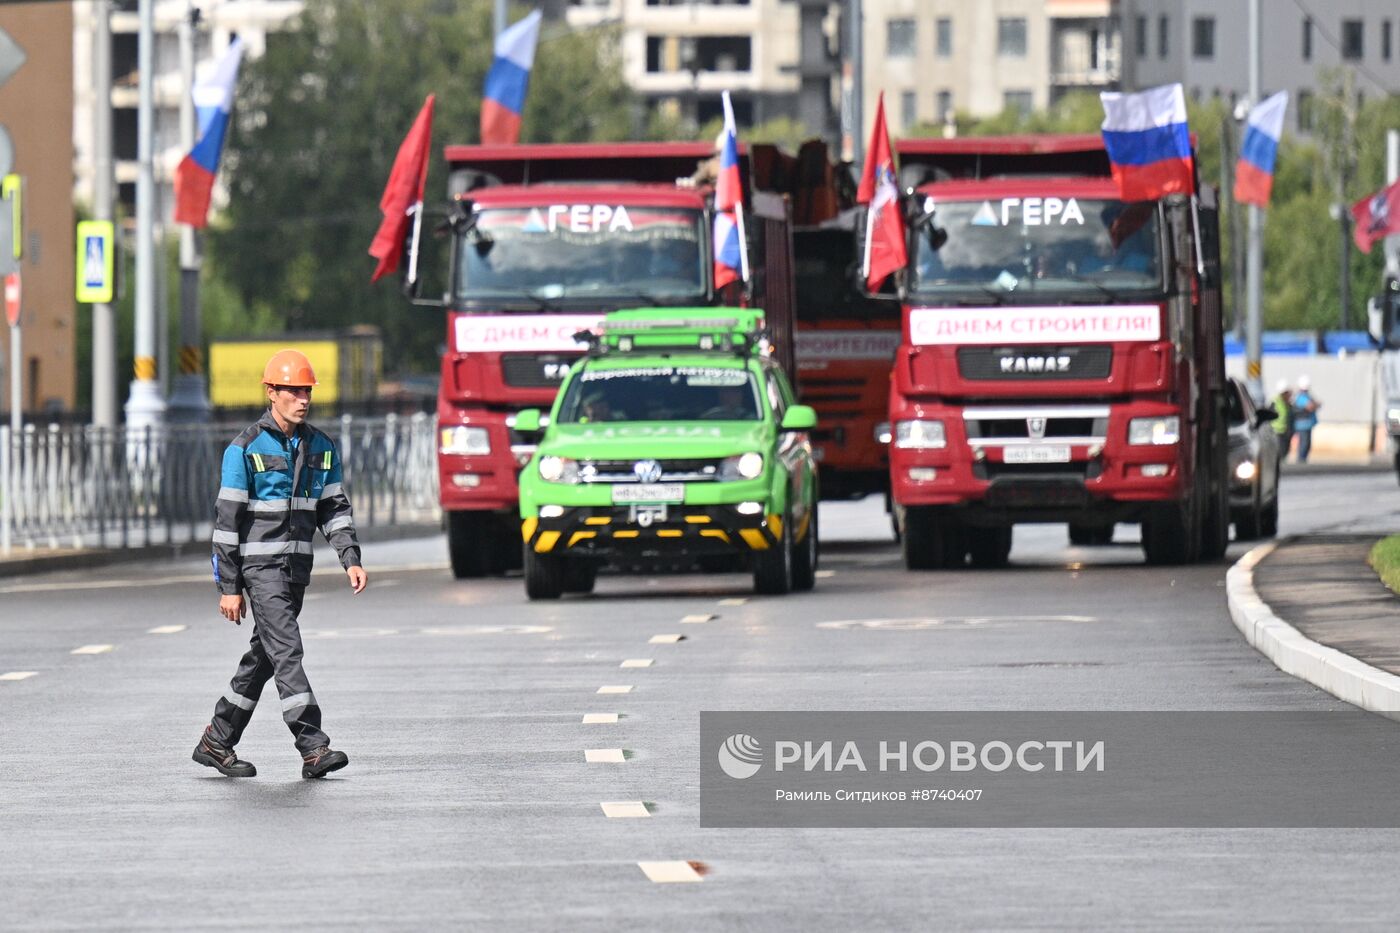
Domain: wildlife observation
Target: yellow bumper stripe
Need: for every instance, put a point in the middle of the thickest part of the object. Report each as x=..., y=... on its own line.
x=697, y=519
x=626, y=534
x=527, y=529
x=776, y=523
x=546, y=542
x=754, y=538
x=578, y=536
x=670, y=533
x=598, y=520
x=714, y=533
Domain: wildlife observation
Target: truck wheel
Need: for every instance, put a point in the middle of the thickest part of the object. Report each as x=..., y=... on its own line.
x=470, y=543
x=580, y=574
x=544, y=575
x=772, y=569
x=1168, y=537
x=989, y=547
x=804, y=557
x=930, y=539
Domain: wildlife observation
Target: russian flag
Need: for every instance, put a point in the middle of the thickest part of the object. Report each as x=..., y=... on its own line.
x=1148, y=144
x=508, y=80
x=1254, y=173
x=213, y=99
x=731, y=256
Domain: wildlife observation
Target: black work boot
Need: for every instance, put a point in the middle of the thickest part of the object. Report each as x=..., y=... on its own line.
x=221, y=758
x=322, y=761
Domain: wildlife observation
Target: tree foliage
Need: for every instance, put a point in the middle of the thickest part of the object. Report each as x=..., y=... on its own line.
x=1302, y=237
x=319, y=119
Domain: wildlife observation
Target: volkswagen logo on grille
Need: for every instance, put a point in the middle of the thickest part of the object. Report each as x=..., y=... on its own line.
x=1035, y=428
x=647, y=471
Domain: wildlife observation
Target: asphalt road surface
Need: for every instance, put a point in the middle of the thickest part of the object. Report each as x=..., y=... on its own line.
x=469, y=802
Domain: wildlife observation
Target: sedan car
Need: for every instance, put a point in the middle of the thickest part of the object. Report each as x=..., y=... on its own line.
x=1254, y=466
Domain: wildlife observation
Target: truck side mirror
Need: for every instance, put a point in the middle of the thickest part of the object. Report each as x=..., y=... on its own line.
x=800, y=418
x=527, y=421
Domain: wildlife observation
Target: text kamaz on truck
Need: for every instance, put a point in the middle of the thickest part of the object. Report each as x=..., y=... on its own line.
x=1061, y=357
x=545, y=240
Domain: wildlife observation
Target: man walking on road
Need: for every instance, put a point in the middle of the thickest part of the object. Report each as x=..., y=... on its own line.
x=281, y=481
x=1305, y=406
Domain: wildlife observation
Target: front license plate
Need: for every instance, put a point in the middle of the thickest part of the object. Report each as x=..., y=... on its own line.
x=649, y=492
x=1050, y=454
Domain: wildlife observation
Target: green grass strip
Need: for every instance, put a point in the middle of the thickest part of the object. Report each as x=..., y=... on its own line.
x=1385, y=558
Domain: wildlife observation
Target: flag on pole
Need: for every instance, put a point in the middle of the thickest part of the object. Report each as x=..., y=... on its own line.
x=886, y=250
x=1254, y=173
x=508, y=80
x=403, y=195
x=213, y=100
x=1148, y=143
x=1376, y=217
x=731, y=248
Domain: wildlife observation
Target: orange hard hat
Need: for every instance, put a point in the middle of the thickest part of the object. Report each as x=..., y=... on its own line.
x=289, y=368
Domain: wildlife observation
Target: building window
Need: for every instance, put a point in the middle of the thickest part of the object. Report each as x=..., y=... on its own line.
x=943, y=30
x=1203, y=37
x=1163, y=36
x=1140, y=38
x=900, y=38
x=945, y=106
x=699, y=53
x=908, y=109
x=1305, y=110
x=1011, y=36
x=1307, y=38
x=1353, y=40
x=1385, y=40
x=1020, y=101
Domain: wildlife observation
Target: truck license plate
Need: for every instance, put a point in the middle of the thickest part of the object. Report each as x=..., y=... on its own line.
x=649, y=492
x=1046, y=454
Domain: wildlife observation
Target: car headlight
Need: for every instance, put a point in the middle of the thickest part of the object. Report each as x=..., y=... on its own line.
x=558, y=470
x=744, y=466
x=465, y=440
x=1246, y=471
x=919, y=435
x=1157, y=431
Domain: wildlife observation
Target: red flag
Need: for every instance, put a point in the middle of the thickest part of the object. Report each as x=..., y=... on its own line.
x=1376, y=217
x=403, y=192
x=885, y=249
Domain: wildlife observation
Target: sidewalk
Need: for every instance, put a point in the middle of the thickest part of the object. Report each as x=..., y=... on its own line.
x=1315, y=608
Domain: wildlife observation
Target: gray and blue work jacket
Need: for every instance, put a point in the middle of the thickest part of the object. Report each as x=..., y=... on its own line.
x=275, y=491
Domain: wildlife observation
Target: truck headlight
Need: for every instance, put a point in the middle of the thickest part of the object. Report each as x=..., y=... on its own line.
x=744, y=466
x=558, y=470
x=1156, y=431
x=919, y=435
x=465, y=440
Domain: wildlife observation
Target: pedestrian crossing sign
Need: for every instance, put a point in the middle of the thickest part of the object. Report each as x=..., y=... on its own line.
x=96, y=263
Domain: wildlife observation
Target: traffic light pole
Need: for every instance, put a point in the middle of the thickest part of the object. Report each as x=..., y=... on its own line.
x=104, y=330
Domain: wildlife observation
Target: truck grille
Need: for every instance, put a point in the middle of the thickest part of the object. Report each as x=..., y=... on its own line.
x=535, y=370
x=672, y=471
x=1080, y=424
x=1034, y=363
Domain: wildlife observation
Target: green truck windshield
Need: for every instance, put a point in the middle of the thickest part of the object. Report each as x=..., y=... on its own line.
x=583, y=251
x=660, y=393
x=1052, y=246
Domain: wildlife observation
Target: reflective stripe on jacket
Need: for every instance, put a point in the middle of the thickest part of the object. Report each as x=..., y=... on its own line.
x=273, y=496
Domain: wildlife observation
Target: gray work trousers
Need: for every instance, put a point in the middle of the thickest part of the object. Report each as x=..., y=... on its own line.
x=275, y=651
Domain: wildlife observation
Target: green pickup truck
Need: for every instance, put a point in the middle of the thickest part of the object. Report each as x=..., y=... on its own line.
x=675, y=442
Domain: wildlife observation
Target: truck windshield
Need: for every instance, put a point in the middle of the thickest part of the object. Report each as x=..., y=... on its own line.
x=661, y=393
x=825, y=265
x=583, y=251
x=1033, y=249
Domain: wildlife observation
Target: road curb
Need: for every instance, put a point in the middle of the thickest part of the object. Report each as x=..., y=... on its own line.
x=1294, y=653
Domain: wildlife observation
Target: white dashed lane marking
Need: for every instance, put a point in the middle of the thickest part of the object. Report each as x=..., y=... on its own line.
x=615, y=688
x=670, y=872
x=604, y=756
x=699, y=617
x=636, y=662
x=625, y=809
x=669, y=639
x=92, y=649
x=594, y=719
x=825, y=574
x=733, y=601
x=165, y=629
x=18, y=675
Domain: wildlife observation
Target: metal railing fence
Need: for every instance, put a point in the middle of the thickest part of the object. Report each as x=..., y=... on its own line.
x=69, y=486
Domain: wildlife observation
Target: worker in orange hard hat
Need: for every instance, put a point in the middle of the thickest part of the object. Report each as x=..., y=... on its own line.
x=281, y=481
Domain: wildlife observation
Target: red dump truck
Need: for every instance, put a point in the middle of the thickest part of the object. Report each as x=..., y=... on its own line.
x=546, y=239
x=1061, y=355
